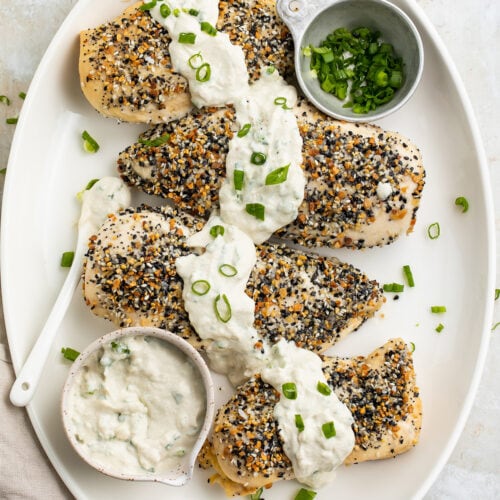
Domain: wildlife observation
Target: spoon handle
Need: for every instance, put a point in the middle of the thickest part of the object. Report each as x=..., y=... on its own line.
x=24, y=387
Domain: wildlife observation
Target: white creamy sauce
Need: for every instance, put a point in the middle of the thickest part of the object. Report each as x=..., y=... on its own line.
x=137, y=406
x=106, y=196
x=314, y=456
x=215, y=299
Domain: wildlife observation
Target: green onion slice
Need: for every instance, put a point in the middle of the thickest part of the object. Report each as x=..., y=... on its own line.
x=177, y=12
x=277, y=176
x=67, y=259
x=497, y=293
x=165, y=10
x=412, y=347
x=299, y=422
x=434, y=230
x=238, y=177
x=394, y=287
x=257, y=494
x=289, y=390
x=195, y=61
x=3, y=171
x=494, y=327
x=187, y=38
x=440, y=328
x=329, y=430
x=258, y=158
x=89, y=143
x=281, y=101
x=217, y=230
x=203, y=73
x=228, y=270
x=223, y=313
x=5, y=100
x=208, y=28
x=22, y=95
x=69, y=353
x=244, y=130
x=438, y=309
x=120, y=347
x=324, y=389
x=200, y=287
x=270, y=70
x=461, y=201
x=257, y=210
x=12, y=121
x=304, y=494
x=155, y=142
x=191, y=12
x=90, y=184
x=148, y=5
x=409, y=276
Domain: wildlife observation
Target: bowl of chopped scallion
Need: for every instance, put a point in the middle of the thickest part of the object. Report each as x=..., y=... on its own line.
x=355, y=60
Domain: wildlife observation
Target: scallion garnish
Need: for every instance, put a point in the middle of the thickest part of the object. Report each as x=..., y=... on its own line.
x=238, y=177
x=90, y=184
x=153, y=143
x=323, y=388
x=299, y=422
x=434, y=230
x=67, y=259
x=89, y=143
x=256, y=209
x=329, y=430
x=223, y=313
x=217, y=231
x=191, y=12
x=187, y=38
x=394, y=287
x=203, y=73
x=22, y=95
x=148, y=5
x=270, y=70
x=281, y=101
x=304, y=494
x=257, y=494
x=228, y=270
x=3, y=171
x=438, y=309
x=497, y=293
x=412, y=347
x=4, y=100
x=208, y=28
x=289, y=390
x=11, y=121
x=494, y=327
x=244, y=130
x=462, y=202
x=200, y=287
x=440, y=328
x=277, y=176
x=120, y=347
x=177, y=12
x=195, y=61
x=258, y=158
x=409, y=276
x=165, y=10
x=69, y=353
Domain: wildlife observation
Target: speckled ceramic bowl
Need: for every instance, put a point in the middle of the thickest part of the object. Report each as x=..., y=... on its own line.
x=184, y=471
x=310, y=21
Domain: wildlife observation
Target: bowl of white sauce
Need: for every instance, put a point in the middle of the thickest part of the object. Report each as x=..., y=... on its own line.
x=138, y=404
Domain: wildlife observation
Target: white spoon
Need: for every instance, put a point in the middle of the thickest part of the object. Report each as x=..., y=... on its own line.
x=106, y=196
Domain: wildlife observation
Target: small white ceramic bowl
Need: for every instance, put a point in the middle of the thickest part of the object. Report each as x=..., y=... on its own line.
x=184, y=472
x=311, y=21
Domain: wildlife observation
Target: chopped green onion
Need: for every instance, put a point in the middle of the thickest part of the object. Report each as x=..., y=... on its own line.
x=89, y=185
x=22, y=95
x=148, y=6
x=438, y=309
x=225, y=315
x=194, y=60
x=497, y=293
x=153, y=143
x=329, y=430
x=434, y=230
x=187, y=38
x=409, y=276
x=208, y=28
x=277, y=176
x=323, y=389
x=394, y=287
x=281, y=101
x=258, y=158
x=289, y=390
x=217, y=230
x=203, y=73
x=5, y=100
x=238, y=176
x=69, y=354
x=177, y=12
x=304, y=494
x=200, y=287
x=462, y=202
x=3, y=170
x=270, y=70
x=165, y=10
x=191, y=12
x=299, y=422
x=11, y=121
x=257, y=494
x=89, y=143
x=120, y=347
x=244, y=130
x=67, y=259
x=440, y=328
x=256, y=209
x=495, y=326
x=228, y=270
x=412, y=347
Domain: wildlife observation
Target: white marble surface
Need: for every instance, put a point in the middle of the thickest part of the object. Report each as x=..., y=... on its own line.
x=471, y=32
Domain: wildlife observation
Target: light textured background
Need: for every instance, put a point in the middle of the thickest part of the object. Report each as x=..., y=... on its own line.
x=471, y=32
